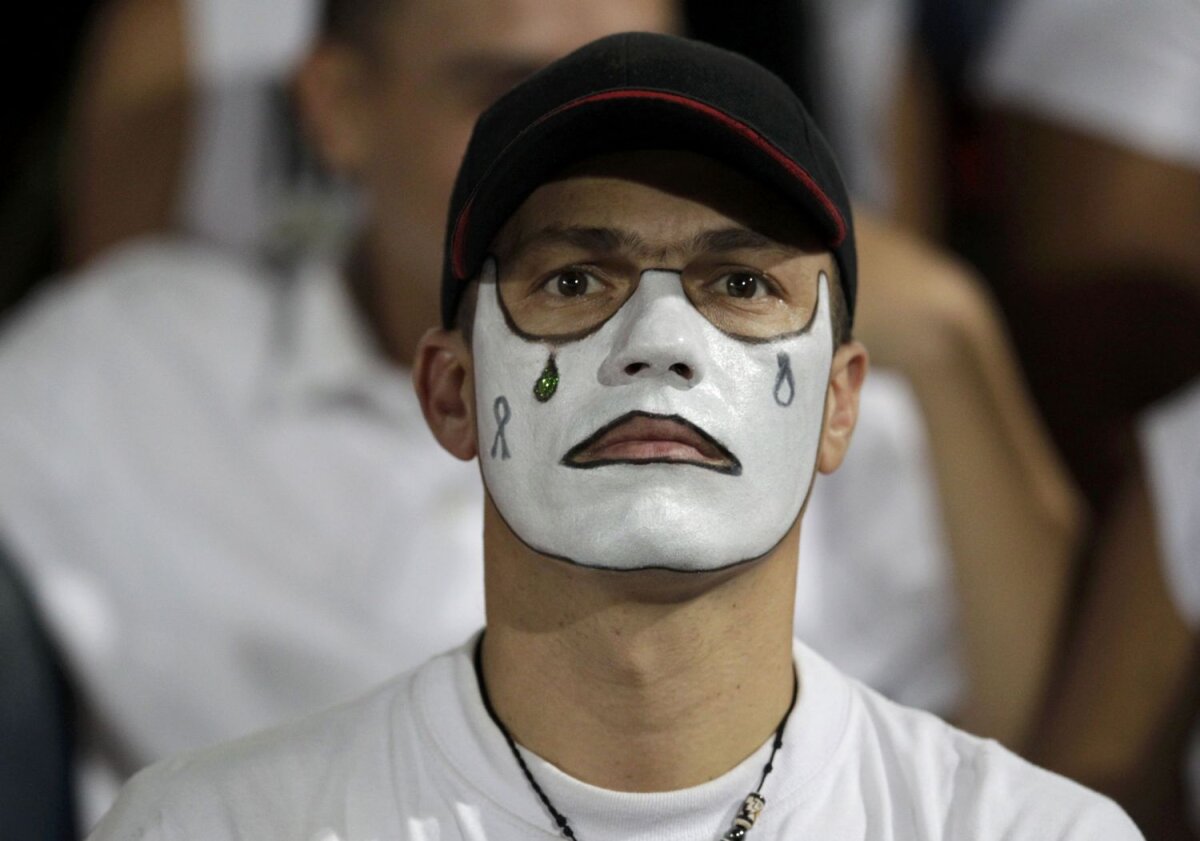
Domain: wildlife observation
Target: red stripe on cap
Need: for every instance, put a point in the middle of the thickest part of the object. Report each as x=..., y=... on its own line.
x=755, y=139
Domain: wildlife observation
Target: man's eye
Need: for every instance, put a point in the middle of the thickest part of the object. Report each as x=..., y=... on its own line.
x=571, y=283
x=744, y=285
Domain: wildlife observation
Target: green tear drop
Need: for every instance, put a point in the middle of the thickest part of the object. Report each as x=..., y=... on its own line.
x=547, y=383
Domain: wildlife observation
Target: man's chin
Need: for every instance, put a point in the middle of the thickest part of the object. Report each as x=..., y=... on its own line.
x=668, y=554
x=666, y=526
x=657, y=584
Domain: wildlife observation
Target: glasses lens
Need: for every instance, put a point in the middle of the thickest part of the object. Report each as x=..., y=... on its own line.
x=745, y=302
x=753, y=304
x=564, y=303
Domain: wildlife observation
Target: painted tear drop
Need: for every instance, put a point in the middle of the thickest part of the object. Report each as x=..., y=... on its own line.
x=785, y=384
x=547, y=382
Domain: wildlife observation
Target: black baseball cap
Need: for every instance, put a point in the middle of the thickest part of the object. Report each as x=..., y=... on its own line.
x=639, y=91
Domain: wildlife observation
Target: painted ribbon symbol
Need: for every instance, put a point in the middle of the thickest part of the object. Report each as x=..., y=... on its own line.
x=501, y=412
x=784, y=378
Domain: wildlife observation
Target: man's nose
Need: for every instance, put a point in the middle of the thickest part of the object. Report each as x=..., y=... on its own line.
x=658, y=336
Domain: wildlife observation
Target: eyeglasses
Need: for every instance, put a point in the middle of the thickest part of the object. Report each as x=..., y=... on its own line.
x=757, y=301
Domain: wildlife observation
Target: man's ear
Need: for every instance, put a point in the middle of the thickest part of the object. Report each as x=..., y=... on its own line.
x=444, y=380
x=841, y=404
x=330, y=93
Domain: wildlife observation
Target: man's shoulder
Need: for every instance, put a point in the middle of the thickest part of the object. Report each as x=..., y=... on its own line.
x=969, y=787
x=1005, y=792
x=275, y=784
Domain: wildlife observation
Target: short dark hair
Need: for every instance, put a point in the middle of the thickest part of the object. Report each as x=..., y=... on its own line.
x=464, y=319
x=839, y=313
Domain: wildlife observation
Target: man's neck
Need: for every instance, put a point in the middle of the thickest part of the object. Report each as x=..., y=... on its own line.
x=637, y=681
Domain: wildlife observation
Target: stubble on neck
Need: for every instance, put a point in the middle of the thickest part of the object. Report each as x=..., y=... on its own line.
x=637, y=681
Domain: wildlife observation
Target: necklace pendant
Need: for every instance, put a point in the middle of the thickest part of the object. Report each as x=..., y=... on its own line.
x=752, y=807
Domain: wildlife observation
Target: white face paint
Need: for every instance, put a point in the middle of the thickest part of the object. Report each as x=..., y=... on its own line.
x=762, y=402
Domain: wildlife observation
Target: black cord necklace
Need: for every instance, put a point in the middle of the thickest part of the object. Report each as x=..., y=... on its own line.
x=751, y=807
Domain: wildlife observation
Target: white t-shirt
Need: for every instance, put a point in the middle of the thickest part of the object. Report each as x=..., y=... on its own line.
x=232, y=512
x=1126, y=71
x=419, y=759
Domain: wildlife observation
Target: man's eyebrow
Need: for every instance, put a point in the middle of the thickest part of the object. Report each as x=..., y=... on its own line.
x=738, y=239
x=593, y=239
x=605, y=240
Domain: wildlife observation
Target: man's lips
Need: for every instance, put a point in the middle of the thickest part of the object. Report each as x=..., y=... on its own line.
x=645, y=438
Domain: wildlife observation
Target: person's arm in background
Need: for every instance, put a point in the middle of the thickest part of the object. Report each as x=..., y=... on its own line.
x=1011, y=516
x=128, y=127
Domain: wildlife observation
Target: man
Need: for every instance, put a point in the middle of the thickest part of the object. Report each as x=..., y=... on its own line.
x=651, y=266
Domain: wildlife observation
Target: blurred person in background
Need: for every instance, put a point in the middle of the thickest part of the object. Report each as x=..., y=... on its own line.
x=1095, y=112
x=258, y=458
x=215, y=472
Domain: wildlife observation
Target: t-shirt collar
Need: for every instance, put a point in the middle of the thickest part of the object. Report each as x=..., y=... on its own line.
x=458, y=724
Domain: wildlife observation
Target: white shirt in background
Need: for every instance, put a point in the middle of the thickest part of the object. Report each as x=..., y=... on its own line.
x=862, y=50
x=1126, y=71
x=875, y=590
x=1170, y=437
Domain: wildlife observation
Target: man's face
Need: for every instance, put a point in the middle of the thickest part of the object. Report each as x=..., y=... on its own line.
x=440, y=65
x=652, y=346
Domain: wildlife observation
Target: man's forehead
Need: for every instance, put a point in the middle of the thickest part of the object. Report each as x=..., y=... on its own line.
x=633, y=243
x=647, y=203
